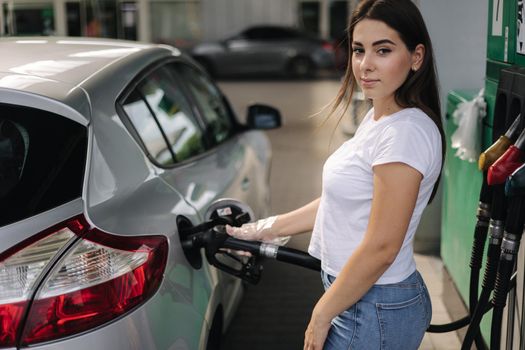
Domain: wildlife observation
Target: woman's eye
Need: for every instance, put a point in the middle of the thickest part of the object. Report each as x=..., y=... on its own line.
x=383, y=51
x=357, y=50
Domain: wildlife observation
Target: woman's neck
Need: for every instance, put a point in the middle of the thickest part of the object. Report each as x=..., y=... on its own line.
x=385, y=107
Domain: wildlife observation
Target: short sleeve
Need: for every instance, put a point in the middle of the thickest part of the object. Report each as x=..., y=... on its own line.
x=408, y=143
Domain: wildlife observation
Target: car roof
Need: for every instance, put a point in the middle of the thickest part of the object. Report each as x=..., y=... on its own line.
x=64, y=71
x=70, y=60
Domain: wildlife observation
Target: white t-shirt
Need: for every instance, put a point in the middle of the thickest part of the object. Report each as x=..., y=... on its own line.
x=408, y=136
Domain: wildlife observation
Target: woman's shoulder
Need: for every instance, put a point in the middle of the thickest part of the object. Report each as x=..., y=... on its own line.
x=415, y=119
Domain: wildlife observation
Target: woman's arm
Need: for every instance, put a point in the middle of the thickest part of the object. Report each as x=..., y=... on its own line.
x=297, y=221
x=396, y=187
x=284, y=225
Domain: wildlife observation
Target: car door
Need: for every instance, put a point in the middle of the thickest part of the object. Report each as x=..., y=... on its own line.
x=198, y=153
x=181, y=307
x=235, y=165
x=232, y=166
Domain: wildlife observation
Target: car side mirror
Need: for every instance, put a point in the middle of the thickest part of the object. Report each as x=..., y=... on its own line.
x=263, y=117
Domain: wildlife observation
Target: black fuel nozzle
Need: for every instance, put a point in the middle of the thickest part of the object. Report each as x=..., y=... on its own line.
x=217, y=244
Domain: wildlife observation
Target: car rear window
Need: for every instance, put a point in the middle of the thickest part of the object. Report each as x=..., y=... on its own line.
x=42, y=161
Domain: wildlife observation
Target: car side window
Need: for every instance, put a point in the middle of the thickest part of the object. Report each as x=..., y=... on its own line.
x=216, y=115
x=163, y=118
x=147, y=127
x=173, y=113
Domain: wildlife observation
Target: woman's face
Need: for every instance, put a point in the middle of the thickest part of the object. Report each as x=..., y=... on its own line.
x=380, y=59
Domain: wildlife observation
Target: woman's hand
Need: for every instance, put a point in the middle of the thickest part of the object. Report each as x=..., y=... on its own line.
x=316, y=333
x=260, y=230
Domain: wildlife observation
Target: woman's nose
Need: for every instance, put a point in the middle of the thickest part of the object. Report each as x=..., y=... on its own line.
x=367, y=63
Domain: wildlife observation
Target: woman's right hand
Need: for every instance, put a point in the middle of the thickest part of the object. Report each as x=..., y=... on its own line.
x=260, y=230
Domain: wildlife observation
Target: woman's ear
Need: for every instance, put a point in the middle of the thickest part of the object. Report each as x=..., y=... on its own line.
x=417, y=57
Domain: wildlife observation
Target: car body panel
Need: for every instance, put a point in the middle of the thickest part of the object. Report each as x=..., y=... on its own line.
x=49, y=95
x=125, y=194
x=21, y=230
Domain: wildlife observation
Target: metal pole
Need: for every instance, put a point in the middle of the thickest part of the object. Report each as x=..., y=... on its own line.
x=144, y=28
x=2, y=19
x=324, y=20
x=59, y=9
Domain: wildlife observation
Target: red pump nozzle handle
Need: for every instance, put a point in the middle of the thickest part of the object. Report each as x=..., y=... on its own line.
x=496, y=150
x=511, y=160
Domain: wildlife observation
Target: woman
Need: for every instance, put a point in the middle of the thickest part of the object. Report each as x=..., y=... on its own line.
x=375, y=187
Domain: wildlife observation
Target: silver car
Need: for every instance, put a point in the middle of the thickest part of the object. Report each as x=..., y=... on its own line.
x=266, y=50
x=108, y=149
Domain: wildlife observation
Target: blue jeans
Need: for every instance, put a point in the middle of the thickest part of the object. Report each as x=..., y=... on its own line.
x=388, y=317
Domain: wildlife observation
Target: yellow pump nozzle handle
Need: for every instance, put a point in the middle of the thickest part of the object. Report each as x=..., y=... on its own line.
x=491, y=154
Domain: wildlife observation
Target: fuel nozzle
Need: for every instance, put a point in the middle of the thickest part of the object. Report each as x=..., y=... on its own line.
x=515, y=184
x=496, y=150
x=510, y=160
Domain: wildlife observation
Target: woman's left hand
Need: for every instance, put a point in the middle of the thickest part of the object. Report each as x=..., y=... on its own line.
x=316, y=334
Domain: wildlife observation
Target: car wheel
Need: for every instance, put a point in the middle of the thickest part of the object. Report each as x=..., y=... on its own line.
x=215, y=335
x=301, y=67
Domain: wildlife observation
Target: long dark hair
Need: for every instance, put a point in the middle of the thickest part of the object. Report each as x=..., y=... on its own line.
x=420, y=89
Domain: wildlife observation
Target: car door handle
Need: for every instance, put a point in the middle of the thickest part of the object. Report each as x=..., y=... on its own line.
x=245, y=184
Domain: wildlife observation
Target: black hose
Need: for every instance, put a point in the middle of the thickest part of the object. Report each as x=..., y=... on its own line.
x=478, y=245
x=449, y=327
x=509, y=253
x=480, y=236
x=462, y=322
x=495, y=329
x=499, y=300
x=488, y=284
x=284, y=254
x=476, y=260
x=493, y=253
x=299, y=258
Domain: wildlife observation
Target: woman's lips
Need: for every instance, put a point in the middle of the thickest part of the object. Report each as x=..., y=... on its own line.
x=368, y=82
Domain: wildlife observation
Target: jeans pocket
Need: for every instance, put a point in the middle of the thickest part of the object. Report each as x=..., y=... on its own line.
x=402, y=324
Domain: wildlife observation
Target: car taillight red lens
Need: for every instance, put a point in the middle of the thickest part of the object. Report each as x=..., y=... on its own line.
x=99, y=278
x=328, y=46
x=10, y=317
x=20, y=270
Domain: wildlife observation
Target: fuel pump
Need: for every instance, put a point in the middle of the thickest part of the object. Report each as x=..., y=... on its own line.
x=486, y=159
x=515, y=191
x=496, y=177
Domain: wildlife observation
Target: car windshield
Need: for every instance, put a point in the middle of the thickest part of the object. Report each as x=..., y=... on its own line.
x=42, y=161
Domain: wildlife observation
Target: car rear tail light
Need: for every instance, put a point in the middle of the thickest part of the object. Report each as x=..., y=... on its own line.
x=99, y=278
x=328, y=46
x=20, y=269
